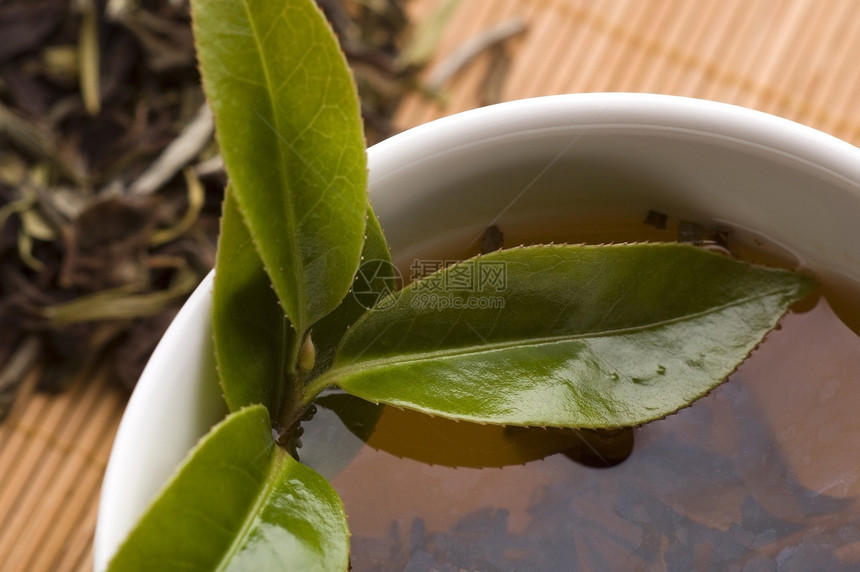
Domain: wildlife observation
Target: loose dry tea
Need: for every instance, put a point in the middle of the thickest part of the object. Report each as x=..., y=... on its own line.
x=109, y=204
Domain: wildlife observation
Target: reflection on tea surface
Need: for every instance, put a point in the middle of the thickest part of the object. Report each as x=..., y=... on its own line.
x=760, y=474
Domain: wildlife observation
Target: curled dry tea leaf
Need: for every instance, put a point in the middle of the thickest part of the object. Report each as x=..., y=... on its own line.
x=569, y=336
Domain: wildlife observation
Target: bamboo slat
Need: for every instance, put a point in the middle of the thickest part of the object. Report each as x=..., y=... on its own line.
x=53, y=453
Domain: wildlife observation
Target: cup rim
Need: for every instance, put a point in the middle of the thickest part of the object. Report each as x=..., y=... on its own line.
x=613, y=110
x=392, y=156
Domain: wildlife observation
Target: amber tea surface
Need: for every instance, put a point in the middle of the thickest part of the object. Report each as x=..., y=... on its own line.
x=761, y=473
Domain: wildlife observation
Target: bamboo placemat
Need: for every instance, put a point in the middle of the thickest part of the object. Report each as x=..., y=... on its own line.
x=794, y=58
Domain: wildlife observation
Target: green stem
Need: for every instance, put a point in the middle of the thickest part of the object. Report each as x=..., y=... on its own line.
x=292, y=405
x=291, y=391
x=315, y=387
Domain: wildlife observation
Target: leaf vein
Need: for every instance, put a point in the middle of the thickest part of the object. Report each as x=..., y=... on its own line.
x=288, y=214
x=508, y=344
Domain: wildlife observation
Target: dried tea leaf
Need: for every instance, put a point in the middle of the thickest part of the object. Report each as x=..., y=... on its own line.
x=89, y=56
x=427, y=36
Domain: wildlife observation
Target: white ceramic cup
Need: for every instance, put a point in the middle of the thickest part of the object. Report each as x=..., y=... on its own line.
x=548, y=164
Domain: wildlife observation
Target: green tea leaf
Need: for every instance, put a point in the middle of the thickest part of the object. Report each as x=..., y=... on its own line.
x=240, y=503
x=288, y=122
x=375, y=279
x=571, y=336
x=252, y=335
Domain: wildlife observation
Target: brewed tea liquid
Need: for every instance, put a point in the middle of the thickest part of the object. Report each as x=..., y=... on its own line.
x=761, y=474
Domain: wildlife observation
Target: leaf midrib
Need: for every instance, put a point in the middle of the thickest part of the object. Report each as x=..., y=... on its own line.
x=291, y=228
x=401, y=359
x=259, y=502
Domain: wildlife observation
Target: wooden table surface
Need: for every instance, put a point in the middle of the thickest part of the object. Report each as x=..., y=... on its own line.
x=794, y=58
